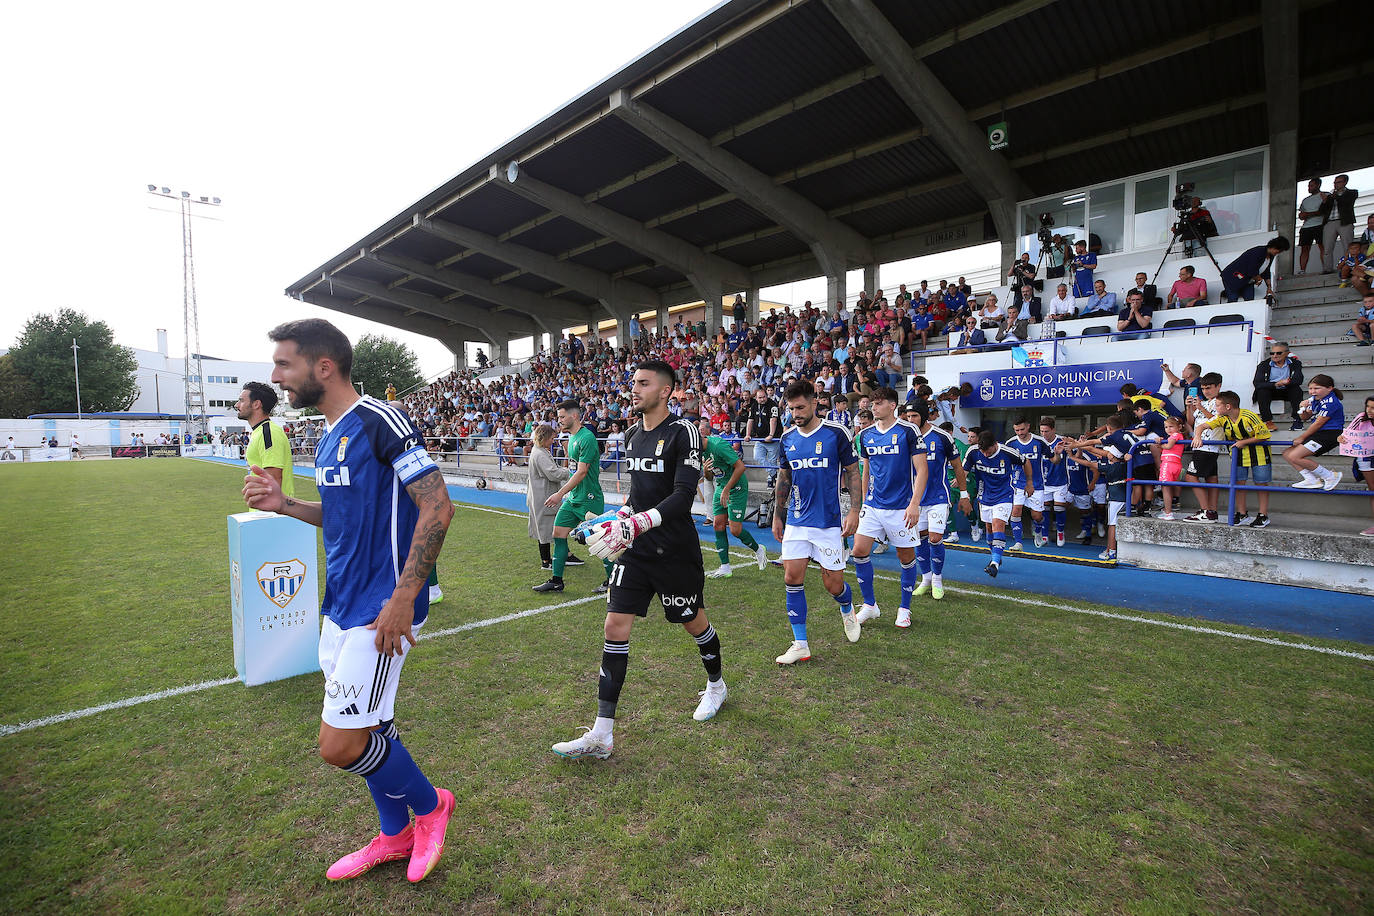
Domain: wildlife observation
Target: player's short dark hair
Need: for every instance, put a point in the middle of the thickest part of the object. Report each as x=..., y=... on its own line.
x=1142, y=403
x=263, y=393
x=986, y=439
x=865, y=414
x=1229, y=398
x=316, y=339
x=1021, y=419
x=1128, y=390
x=661, y=367
x=1279, y=243
x=947, y=426
x=1211, y=378
x=569, y=404
x=1047, y=421
x=799, y=388
x=884, y=393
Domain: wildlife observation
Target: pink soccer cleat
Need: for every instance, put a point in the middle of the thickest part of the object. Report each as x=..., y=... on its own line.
x=383, y=848
x=429, y=837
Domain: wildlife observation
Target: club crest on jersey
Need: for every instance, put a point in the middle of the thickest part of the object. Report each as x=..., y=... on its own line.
x=818, y=447
x=343, y=444
x=281, y=581
x=658, y=449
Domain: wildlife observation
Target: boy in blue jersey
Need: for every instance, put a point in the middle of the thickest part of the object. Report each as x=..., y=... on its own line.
x=1056, y=477
x=994, y=465
x=942, y=455
x=1083, y=477
x=806, y=512
x=895, y=479
x=379, y=550
x=1114, y=447
x=1028, y=488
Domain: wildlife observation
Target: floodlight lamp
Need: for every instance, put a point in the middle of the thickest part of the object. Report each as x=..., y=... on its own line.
x=166, y=190
x=185, y=193
x=205, y=200
x=152, y=187
x=214, y=200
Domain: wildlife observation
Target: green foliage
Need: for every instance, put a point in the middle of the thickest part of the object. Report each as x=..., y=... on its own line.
x=43, y=354
x=379, y=361
x=17, y=394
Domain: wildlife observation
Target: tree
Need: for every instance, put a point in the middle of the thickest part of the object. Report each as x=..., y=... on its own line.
x=17, y=394
x=379, y=361
x=43, y=354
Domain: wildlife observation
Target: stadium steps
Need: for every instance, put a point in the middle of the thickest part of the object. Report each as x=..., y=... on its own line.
x=1313, y=313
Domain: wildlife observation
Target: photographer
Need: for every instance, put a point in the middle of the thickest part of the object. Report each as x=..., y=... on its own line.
x=1022, y=273
x=1195, y=223
x=1084, y=263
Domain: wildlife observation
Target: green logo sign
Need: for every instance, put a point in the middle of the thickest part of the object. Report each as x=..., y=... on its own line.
x=998, y=136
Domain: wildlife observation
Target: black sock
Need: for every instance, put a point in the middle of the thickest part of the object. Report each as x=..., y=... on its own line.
x=545, y=554
x=615, y=658
x=708, y=644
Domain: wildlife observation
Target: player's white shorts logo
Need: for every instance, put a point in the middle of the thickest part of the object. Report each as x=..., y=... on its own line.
x=686, y=601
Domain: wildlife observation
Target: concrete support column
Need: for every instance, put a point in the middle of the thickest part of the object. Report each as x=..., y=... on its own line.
x=662, y=319
x=500, y=350
x=712, y=291
x=870, y=281
x=835, y=290
x=754, y=301
x=459, y=349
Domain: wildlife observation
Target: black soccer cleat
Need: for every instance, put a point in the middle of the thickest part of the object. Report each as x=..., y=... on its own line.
x=991, y=569
x=603, y=588
x=553, y=585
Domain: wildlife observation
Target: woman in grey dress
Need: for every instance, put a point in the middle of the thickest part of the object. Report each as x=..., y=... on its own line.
x=546, y=476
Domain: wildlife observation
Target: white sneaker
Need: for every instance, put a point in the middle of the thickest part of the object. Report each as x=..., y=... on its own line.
x=1016, y=546
x=799, y=651
x=977, y=534
x=952, y=537
x=587, y=745
x=1107, y=555
x=1308, y=484
x=852, y=630
x=868, y=612
x=1165, y=516
x=1059, y=539
x=1040, y=541
x=711, y=699
x=1331, y=482
x=903, y=617
x=761, y=556
x=1101, y=530
x=723, y=572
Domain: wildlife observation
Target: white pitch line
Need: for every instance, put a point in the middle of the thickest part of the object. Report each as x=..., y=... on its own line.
x=1074, y=609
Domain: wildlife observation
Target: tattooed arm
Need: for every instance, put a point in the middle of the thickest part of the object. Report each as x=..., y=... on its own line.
x=395, y=622
x=853, y=482
x=782, y=494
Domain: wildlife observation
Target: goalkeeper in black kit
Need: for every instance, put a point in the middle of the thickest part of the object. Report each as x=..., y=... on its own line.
x=653, y=543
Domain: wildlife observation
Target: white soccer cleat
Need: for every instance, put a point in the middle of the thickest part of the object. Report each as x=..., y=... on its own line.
x=761, y=557
x=1041, y=541
x=852, y=630
x=589, y=744
x=977, y=534
x=711, y=699
x=880, y=547
x=1101, y=530
x=868, y=612
x=903, y=617
x=1016, y=546
x=952, y=537
x=799, y=651
x=723, y=572
x=1059, y=539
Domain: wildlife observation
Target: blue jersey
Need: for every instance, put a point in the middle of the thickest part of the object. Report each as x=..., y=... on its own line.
x=1056, y=472
x=816, y=460
x=1153, y=422
x=363, y=464
x=1080, y=477
x=1033, y=451
x=889, y=455
x=994, y=473
x=940, y=455
x=1331, y=408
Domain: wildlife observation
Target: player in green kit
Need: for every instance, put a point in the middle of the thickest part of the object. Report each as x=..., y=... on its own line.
x=580, y=496
x=730, y=500
x=268, y=447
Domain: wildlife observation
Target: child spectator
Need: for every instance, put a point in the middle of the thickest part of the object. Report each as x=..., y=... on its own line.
x=1249, y=437
x=1351, y=268
x=1363, y=328
x=1363, y=467
x=1083, y=480
x=1202, y=467
x=1171, y=464
x=1114, y=447
x=1325, y=416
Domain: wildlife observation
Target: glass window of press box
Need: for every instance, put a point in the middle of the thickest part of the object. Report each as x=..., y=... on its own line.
x=1137, y=213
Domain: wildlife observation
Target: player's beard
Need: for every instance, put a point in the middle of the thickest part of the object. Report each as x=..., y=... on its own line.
x=307, y=394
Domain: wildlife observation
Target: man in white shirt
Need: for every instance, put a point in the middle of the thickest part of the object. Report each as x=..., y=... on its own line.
x=10, y=453
x=76, y=446
x=1309, y=211
x=1061, y=306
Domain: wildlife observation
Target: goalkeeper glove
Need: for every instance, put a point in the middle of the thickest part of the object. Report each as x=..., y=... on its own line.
x=582, y=531
x=611, y=538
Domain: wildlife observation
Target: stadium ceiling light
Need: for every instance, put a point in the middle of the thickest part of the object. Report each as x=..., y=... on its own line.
x=166, y=190
x=185, y=193
x=512, y=171
x=152, y=187
x=215, y=201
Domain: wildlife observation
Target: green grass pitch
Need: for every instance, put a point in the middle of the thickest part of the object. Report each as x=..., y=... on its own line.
x=997, y=756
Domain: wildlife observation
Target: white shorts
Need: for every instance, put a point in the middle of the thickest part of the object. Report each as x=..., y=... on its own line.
x=1082, y=500
x=1114, y=508
x=824, y=545
x=886, y=525
x=1053, y=495
x=1000, y=512
x=934, y=519
x=359, y=682
x=1036, y=500
x=1100, y=494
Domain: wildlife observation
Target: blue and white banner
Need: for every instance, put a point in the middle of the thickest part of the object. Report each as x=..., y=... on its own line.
x=274, y=587
x=1035, y=355
x=1086, y=384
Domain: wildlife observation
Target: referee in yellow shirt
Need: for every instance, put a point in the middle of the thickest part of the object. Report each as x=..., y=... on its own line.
x=268, y=446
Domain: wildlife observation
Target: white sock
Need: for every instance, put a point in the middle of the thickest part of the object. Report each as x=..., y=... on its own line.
x=1323, y=473
x=925, y=578
x=1306, y=474
x=602, y=727
x=726, y=567
x=938, y=580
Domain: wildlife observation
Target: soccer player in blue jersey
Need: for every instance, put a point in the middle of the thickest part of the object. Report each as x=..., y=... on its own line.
x=994, y=465
x=1083, y=477
x=379, y=549
x=942, y=457
x=895, y=478
x=1029, y=486
x=806, y=514
x=1056, y=477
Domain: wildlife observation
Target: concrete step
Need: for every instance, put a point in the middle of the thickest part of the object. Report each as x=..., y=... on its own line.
x=1334, y=311
x=1330, y=351
x=1314, y=279
x=1315, y=297
x=1334, y=331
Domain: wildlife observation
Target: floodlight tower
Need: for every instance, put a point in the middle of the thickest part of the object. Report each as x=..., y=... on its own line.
x=195, y=380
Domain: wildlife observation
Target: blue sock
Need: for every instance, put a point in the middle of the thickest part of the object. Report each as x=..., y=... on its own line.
x=909, y=577
x=863, y=571
x=845, y=599
x=937, y=559
x=1061, y=520
x=1042, y=526
x=387, y=766
x=1016, y=529
x=923, y=557
x=394, y=812
x=998, y=544
x=796, y=610
x=1086, y=521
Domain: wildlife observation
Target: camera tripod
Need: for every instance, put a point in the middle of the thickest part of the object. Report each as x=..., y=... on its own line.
x=1195, y=236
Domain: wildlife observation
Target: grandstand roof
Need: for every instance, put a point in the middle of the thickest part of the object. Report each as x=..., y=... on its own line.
x=775, y=140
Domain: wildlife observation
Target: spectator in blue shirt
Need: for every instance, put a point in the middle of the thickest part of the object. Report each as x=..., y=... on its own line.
x=1100, y=302
x=1084, y=263
x=735, y=339
x=1133, y=321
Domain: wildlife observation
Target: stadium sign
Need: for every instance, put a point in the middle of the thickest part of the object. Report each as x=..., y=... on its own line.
x=1083, y=385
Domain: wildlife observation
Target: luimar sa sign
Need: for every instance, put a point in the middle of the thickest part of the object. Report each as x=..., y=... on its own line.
x=1087, y=384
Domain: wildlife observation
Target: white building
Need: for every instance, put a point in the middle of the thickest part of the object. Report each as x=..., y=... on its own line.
x=162, y=381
